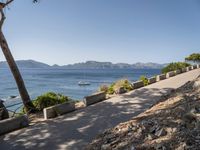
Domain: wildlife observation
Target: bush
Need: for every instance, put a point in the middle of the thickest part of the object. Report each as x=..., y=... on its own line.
x=103, y=88
x=49, y=99
x=123, y=83
x=174, y=66
x=111, y=89
x=145, y=80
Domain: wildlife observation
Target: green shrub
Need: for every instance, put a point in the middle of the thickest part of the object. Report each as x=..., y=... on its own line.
x=174, y=66
x=111, y=89
x=123, y=83
x=103, y=88
x=49, y=99
x=145, y=80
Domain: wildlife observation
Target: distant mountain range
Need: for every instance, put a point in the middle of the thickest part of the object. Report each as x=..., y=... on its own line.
x=85, y=65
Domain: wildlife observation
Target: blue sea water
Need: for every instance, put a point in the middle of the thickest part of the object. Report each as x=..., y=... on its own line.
x=64, y=81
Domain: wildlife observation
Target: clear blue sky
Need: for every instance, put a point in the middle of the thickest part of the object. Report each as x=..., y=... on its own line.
x=69, y=31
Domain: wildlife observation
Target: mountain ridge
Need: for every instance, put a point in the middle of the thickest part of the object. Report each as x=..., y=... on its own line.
x=85, y=65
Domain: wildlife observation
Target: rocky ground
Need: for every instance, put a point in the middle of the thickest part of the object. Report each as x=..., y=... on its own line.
x=173, y=123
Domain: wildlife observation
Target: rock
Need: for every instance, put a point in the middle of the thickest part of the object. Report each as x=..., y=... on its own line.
x=160, y=147
x=181, y=146
x=189, y=118
x=3, y=111
x=122, y=145
x=105, y=147
x=153, y=129
x=121, y=90
x=161, y=132
x=196, y=84
x=12, y=96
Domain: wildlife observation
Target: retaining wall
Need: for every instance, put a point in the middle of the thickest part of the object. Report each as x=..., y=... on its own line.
x=178, y=72
x=170, y=74
x=183, y=70
x=12, y=124
x=137, y=84
x=94, y=98
x=57, y=110
x=152, y=80
x=161, y=77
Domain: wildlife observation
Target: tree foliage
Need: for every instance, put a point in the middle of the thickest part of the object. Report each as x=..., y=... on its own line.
x=174, y=66
x=195, y=57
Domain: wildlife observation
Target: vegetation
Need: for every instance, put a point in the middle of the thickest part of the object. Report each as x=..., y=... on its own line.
x=110, y=89
x=145, y=80
x=123, y=83
x=46, y=100
x=49, y=99
x=195, y=57
x=174, y=66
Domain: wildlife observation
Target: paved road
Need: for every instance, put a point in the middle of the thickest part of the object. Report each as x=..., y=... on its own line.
x=75, y=130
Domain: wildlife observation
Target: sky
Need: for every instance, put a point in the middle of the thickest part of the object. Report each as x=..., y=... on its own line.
x=69, y=31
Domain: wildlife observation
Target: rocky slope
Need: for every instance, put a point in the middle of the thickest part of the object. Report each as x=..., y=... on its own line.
x=173, y=123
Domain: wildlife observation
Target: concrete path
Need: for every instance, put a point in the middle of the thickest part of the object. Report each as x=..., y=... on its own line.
x=75, y=130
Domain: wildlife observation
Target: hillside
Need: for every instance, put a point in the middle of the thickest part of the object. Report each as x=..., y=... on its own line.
x=173, y=123
x=26, y=64
x=109, y=65
x=85, y=65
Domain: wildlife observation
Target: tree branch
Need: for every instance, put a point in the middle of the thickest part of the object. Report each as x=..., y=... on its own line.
x=8, y=2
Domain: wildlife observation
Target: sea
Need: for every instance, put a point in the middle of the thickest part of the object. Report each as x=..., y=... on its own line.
x=64, y=81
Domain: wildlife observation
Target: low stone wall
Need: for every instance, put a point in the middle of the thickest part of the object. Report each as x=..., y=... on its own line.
x=194, y=67
x=170, y=74
x=177, y=72
x=160, y=77
x=137, y=84
x=12, y=124
x=94, y=98
x=152, y=80
x=189, y=68
x=57, y=110
x=183, y=70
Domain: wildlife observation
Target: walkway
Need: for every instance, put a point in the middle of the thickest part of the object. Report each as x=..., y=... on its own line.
x=75, y=130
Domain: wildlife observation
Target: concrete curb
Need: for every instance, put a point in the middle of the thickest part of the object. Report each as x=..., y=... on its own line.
x=152, y=80
x=170, y=74
x=94, y=98
x=194, y=67
x=177, y=72
x=12, y=124
x=57, y=110
x=161, y=77
x=137, y=84
x=183, y=70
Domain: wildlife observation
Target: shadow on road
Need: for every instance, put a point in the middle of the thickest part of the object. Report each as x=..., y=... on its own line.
x=75, y=130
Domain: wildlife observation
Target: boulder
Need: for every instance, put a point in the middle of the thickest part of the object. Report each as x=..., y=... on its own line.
x=196, y=84
x=3, y=111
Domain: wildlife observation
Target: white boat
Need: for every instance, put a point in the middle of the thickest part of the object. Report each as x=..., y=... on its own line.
x=83, y=83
